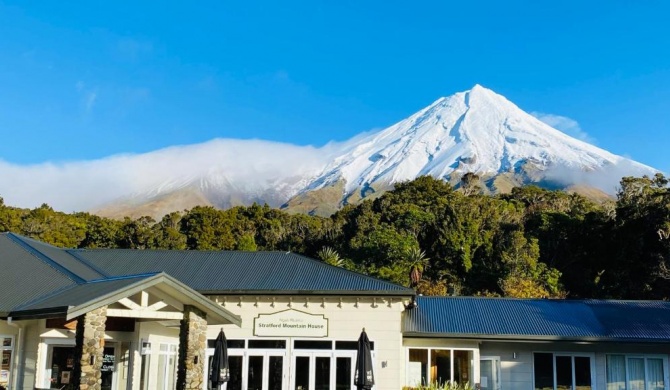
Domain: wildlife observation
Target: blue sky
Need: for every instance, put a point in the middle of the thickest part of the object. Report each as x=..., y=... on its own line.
x=97, y=78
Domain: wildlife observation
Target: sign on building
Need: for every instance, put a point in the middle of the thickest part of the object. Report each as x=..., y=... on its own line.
x=291, y=323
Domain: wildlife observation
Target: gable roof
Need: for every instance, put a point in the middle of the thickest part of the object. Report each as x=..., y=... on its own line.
x=538, y=319
x=76, y=300
x=26, y=275
x=239, y=273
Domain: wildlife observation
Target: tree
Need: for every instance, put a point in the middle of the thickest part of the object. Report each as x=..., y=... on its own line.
x=417, y=262
x=330, y=256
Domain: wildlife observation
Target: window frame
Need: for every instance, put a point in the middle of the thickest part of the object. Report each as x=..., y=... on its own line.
x=572, y=355
x=474, y=361
x=645, y=357
x=11, y=349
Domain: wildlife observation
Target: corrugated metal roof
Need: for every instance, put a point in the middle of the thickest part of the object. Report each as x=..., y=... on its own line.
x=78, y=270
x=25, y=276
x=80, y=293
x=503, y=318
x=228, y=272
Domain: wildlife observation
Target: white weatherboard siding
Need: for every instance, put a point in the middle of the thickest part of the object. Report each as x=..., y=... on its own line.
x=517, y=373
x=346, y=316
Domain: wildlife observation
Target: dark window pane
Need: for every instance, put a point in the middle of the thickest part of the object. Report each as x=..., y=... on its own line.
x=343, y=378
x=582, y=373
x=255, y=373
x=229, y=343
x=302, y=373
x=441, y=361
x=267, y=344
x=276, y=372
x=564, y=372
x=322, y=373
x=543, y=367
x=235, y=366
x=312, y=344
x=351, y=345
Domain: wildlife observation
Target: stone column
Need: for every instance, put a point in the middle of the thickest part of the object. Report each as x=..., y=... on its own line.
x=89, y=344
x=192, y=344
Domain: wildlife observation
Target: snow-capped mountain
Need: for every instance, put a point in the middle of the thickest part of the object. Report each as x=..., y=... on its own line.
x=474, y=131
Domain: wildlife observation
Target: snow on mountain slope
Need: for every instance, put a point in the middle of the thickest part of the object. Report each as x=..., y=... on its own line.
x=473, y=131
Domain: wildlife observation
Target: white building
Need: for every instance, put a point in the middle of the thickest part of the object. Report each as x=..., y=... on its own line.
x=117, y=318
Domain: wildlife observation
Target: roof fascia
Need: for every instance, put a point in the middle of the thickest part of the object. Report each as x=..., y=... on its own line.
x=146, y=283
x=531, y=338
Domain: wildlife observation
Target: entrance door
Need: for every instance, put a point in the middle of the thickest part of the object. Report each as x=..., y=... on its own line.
x=255, y=370
x=489, y=368
x=323, y=370
x=108, y=368
x=312, y=371
x=265, y=370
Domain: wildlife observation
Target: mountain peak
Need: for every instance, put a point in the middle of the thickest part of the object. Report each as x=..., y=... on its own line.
x=476, y=131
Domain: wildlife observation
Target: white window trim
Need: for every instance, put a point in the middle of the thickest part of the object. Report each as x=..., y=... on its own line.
x=475, y=361
x=11, y=378
x=645, y=356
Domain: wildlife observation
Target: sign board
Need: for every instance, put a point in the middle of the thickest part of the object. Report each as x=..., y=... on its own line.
x=291, y=323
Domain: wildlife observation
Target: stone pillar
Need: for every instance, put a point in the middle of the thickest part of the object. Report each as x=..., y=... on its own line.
x=192, y=344
x=89, y=344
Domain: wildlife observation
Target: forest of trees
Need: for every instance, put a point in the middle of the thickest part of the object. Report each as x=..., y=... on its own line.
x=425, y=234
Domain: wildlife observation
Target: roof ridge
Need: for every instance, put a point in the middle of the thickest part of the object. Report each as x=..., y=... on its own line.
x=125, y=277
x=72, y=252
x=18, y=239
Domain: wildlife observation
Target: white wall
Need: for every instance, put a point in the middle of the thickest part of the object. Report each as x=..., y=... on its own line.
x=381, y=319
x=517, y=373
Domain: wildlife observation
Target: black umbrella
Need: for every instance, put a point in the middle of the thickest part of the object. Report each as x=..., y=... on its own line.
x=219, y=373
x=364, y=378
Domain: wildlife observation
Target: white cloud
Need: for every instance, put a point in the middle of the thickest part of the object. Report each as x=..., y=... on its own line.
x=249, y=165
x=567, y=125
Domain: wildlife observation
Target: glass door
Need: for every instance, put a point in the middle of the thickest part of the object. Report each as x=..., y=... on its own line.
x=254, y=370
x=265, y=370
x=312, y=371
x=320, y=370
x=489, y=378
x=108, y=368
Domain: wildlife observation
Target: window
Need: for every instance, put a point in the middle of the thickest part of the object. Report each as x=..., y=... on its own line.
x=636, y=372
x=167, y=367
x=562, y=371
x=6, y=350
x=439, y=366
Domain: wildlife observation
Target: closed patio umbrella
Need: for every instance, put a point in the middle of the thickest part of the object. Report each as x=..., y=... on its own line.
x=364, y=378
x=219, y=372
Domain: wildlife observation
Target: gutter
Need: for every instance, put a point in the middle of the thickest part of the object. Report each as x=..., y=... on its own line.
x=532, y=339
x=18, y=379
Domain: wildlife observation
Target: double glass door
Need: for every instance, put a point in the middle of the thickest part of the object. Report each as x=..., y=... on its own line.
x=255, y=370
x=323, y=370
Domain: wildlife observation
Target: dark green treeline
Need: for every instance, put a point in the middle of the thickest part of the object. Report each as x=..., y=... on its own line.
x=425, y=234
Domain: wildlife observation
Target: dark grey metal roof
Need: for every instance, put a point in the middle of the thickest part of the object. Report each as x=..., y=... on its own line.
x=77, y=270
x=232, y=272
x=59, y=300
x=541, y=319
x=25, y=276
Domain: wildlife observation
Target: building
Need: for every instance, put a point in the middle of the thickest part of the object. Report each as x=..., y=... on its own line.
x=127, y=319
